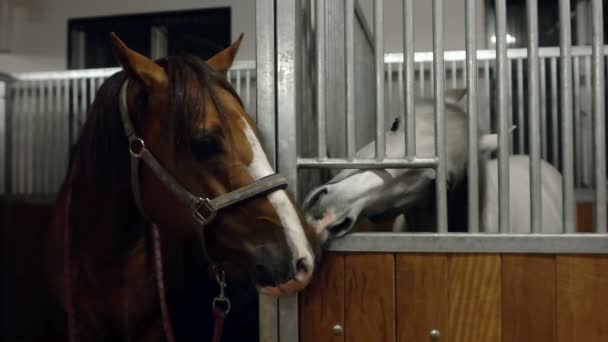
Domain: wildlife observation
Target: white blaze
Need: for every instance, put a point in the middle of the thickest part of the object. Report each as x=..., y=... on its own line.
x=294, y=232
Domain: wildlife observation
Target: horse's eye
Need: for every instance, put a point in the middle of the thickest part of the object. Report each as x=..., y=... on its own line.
x=206, y=147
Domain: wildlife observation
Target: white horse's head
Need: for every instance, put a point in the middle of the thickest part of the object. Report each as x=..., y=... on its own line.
x=334, y=207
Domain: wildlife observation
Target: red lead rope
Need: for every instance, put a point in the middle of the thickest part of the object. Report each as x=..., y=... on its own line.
x=219, y=312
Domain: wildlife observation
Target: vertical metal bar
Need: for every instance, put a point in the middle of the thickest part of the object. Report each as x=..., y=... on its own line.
x=520, y=106
x=421, y=71
x=349, y=40
x=503, y=116
x=577, y=123
x=379, y=55
x=48, y=138
x=408, y=75
x=534, y=117
x=510, y=103
x=599, y=142
x=20, y=138
x=464, y=72
x=431, y=76
x=586, y=123
x=488, y=85
x=265, y=116
x=83, y=102
x=543, y=109
x=566, y=104
x=389, y=89
x=66, y=122
x=471, y=79
x=439, y=90
x=554, y=115
x=321, y=122
x=288, y=108
x=248, y=90
x=454, y=73
x=239, y=90
x=400, y=91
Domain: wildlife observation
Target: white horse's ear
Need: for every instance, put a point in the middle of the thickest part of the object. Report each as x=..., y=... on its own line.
x=489, y=142
x=455, y=95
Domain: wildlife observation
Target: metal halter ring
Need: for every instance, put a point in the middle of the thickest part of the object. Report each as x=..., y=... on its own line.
x=209, y=211
x=136, y=147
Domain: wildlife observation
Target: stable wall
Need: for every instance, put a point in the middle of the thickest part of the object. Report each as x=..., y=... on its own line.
x=38, y=28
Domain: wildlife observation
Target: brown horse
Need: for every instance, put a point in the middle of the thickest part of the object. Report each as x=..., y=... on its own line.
x=203, y=178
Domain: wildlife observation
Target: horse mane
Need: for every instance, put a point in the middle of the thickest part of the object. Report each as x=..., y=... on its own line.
x=101, y=151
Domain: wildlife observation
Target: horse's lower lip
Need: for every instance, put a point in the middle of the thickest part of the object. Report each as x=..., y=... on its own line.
x=281, y=290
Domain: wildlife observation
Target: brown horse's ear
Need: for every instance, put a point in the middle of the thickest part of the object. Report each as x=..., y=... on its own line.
x=138, y=67
x=222, y=61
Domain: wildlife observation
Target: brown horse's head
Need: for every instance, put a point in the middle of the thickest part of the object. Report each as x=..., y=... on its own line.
x=194, y=123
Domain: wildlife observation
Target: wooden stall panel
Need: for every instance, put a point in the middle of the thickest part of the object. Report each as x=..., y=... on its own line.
x=528, y=292
x=322, y=303
x=474, y=298
x=582, y=298
x=422, y=294
x=370, y=297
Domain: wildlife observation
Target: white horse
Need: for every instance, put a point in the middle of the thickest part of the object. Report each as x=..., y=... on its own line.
x=387, y=193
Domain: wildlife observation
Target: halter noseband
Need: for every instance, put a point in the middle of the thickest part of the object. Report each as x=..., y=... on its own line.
x=203, y=209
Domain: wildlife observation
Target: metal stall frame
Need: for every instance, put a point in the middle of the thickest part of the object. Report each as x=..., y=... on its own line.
x=280, y=321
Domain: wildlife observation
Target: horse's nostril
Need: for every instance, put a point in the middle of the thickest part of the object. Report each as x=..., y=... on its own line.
x=301, y=266
x=341, y=227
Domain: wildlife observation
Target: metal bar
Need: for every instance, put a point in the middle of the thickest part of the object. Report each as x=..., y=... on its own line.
x=464, y=72
x=320, y=59
x=520, y=106
x=587, y=148
x=379, y=55
x=554, y=115
x=421, y=72
x=439, y=90
x=248, y=90
x=48, y=139
x=486, y=77
x=265, y=116
x=288, y=108
x=400, y=91
x=83, y=103
x=599, y=142
x=471, y=243
x=20, y=134
x=408, y=75
x=543, y=109
x=367, y=163
x=453, y=73
x=471, y=79
x=503, y=115
x=569, y=220
x=238, y=82
x=577, y=124
x=349, y=51
x=389, y=89
x=66, y=125
x=534, y=120
x=510, y=106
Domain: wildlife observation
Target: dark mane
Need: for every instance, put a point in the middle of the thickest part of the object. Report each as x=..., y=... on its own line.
x=101, y=151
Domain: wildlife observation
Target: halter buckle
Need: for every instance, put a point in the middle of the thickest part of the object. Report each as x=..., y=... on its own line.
x=208, y=211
